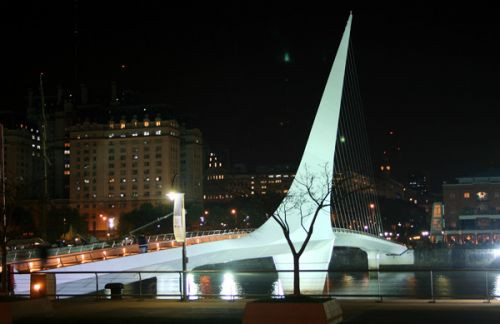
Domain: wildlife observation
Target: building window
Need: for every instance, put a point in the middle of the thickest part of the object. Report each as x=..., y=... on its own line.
x=481, y=196
x=466, y=195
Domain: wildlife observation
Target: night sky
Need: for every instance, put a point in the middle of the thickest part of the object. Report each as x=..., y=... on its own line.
x=250, y=76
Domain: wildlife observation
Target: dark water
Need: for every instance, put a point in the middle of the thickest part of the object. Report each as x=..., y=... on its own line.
x=407, y=284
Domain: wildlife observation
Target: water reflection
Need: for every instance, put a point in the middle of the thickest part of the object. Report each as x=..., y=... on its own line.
x=229, y=289
x=496, y=287
x=167, y=286
x=278, y=289
x=404, y=284
x=191, y=287
x=206, y=285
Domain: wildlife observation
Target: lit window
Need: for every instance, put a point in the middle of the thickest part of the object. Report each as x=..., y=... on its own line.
x=66, y=152
x=158, y=123
x=158, y=132
x=66, y=166
x=86, y=180
x=111, y=135
x=111, y=180
x=66, y=172
x=482, y=195
x=122, y=125
x=146, y=133
x=146, y=123
x=135, y=134
x=67, y=145
x=466, y=195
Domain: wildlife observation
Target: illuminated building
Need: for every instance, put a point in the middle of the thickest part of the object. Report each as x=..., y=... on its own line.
x=191, y=151
x=222, y=183
x=117, y=166
x=23, y=163
x=472, y=209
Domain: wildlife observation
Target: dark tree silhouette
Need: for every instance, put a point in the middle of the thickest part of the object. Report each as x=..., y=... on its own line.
x=311, y=194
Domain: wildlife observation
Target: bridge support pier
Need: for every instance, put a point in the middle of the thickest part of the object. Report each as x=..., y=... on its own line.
x=313, y=258
x=373, y=260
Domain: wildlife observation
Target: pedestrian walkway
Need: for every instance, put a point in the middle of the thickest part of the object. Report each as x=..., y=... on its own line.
x=133, y=311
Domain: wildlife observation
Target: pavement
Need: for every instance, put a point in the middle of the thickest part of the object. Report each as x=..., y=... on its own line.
x=131, y=311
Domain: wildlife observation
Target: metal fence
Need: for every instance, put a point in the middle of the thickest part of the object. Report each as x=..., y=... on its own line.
x=355, y=284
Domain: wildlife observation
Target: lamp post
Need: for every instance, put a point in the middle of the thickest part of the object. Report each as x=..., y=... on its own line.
x=179, y=223
x=234, y=212
x=372, y=213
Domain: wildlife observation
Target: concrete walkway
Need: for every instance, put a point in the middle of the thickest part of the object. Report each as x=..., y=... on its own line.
x=132, y=311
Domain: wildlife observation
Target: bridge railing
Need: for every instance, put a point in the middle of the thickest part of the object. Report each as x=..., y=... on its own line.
x=106, y=250
x=427, y=284
x=26, y=254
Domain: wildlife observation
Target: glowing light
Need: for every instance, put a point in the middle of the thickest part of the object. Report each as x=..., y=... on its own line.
x=228, y=288
x=171, y=195
x=37, y=287
x=286, y=57
x=278, y=291
x=192, y=287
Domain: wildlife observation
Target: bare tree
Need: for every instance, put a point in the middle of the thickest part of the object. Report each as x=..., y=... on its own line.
x=311, y=194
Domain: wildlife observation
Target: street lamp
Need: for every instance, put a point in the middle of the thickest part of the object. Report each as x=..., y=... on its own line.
x=179, y=223
x=235, y=214
x=372, y=214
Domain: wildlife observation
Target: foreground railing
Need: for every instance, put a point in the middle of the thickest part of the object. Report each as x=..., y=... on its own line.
x=360, y=284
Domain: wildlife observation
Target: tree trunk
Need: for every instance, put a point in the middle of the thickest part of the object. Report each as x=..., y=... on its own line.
x=296, y=275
